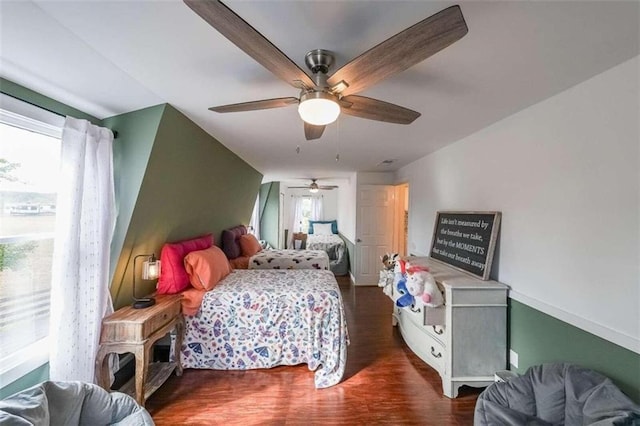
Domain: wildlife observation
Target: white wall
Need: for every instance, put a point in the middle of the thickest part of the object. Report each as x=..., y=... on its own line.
x=565, y=174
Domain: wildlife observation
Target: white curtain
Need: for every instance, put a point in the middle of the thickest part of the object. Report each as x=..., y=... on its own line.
x=295, y=218
x=255, y=218
x=84, y=226
x=317, y=212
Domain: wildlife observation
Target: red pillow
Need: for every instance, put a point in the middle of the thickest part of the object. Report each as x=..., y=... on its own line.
x=206, y=267
x=249, y=245
x=173, y=277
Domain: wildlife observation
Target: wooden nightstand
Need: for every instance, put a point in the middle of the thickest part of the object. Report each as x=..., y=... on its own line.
x=302, y=237
x=135, y=331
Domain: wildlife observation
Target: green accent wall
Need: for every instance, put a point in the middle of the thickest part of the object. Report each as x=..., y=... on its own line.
x=32, y=378
x=34, y=98
x=270, y=208
x=539, y=338
x=137, y=132
x=191, y=185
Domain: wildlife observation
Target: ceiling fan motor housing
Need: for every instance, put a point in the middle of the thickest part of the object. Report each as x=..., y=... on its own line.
x=319, y=61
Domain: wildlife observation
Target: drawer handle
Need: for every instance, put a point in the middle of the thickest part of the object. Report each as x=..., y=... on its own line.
x=433, y=352
x=415, y=310
x=435, y=330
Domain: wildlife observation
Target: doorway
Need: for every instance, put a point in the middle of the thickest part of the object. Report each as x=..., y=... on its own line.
x=401, y=219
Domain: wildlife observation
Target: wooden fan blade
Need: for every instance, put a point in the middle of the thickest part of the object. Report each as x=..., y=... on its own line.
x=313, y=132
x=249, y=40
x=374, y=109
x=402, y=51
x=254, y=105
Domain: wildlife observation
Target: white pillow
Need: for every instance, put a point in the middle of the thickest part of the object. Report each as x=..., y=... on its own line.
x=322, y=229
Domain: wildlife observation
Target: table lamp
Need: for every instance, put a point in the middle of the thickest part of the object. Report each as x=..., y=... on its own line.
x=150, y=271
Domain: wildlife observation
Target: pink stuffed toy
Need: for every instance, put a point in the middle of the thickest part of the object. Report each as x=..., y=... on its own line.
x=422, y=286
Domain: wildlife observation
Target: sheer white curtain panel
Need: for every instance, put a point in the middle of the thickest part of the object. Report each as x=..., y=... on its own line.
x=317, y=210
x=85, y=222
x=255, y=218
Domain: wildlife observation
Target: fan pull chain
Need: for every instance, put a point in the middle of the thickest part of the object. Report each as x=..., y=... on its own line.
x=298, y=149
x=338, y=140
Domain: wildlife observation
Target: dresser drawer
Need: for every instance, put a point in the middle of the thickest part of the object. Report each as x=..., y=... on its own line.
x=160, y=319
x=438, y=332
x=413, y=314
x=135, y=325
x=423, y=315
x=435, y=351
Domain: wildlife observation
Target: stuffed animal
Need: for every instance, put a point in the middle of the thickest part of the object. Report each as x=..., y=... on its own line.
x=400, y=281
x=386, y=282
x=421, y=284
x=389, y=260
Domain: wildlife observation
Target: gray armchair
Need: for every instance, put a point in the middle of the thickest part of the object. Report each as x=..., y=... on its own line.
x=555, y=394
x=71, y=403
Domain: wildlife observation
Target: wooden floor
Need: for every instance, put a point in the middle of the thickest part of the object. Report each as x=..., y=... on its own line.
x=384, y=383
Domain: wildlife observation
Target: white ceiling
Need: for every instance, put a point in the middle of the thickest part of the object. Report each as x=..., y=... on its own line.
x=111, y=57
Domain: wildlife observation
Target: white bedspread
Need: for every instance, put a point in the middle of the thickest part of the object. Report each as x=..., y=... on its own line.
x=265, y=318
x=325, y=243
x=290, y=259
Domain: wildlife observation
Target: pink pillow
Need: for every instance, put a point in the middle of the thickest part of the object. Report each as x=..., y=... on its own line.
x=206, y=267
x=249, y=245
x=173, y=277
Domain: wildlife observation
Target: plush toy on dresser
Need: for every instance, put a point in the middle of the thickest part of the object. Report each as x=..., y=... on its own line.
x=402, y=296
x=387, y=273
x=422, y=286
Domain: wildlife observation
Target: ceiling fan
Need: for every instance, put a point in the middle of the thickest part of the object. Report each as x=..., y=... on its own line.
x=314, y=187
x=322, y=96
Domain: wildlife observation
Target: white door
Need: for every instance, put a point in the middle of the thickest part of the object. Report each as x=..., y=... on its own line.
x=374, y=230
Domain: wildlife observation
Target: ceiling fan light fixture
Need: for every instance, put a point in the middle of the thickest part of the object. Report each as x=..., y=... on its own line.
x=318, y=108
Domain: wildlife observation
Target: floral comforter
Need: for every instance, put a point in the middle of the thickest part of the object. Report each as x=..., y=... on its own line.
x=290, y=259
x=265, y=318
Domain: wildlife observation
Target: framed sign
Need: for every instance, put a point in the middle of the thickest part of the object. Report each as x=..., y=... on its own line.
x=466, y=240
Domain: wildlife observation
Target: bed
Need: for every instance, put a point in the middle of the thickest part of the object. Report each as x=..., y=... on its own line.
x=266, y=318
x=290, y=259
x=335, y=248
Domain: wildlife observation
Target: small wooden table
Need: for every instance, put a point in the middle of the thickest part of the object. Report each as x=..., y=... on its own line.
x=302, y=237
x=135, y=331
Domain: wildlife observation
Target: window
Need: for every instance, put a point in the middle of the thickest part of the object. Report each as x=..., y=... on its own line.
x=306, y=214
x=29, y=163
x=306, y=208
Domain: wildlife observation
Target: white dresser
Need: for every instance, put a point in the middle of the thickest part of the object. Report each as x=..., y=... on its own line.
x=466, y=339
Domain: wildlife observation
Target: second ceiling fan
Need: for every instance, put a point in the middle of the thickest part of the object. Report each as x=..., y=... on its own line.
x=322, y=96
x=313, y=187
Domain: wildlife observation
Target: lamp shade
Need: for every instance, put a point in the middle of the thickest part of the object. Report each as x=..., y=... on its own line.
x=151, y=268
x=318, y=108
x=150, y=271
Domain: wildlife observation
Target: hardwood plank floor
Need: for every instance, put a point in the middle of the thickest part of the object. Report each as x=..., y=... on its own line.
x=384, y=383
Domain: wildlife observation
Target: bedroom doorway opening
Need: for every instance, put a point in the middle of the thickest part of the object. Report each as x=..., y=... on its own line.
x=401, y=219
